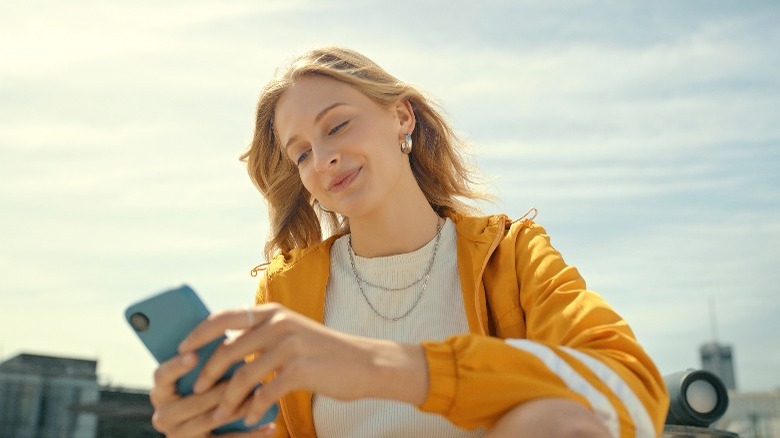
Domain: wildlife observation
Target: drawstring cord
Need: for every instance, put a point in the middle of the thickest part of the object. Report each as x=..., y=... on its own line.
x=258, y=268
x=526, y=218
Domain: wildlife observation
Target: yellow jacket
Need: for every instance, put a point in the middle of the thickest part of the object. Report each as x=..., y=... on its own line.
x=535, y=332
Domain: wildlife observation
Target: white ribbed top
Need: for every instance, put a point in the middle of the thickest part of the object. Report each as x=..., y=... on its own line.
x=439, y=314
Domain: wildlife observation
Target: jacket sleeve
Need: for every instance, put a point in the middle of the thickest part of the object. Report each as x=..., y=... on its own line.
x=568, y=343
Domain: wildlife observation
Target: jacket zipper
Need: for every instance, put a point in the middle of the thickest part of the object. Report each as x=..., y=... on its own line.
x=286, y=416
x=493, y=247
x=282, y=404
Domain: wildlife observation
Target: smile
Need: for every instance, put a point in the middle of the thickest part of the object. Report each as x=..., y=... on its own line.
x=342, y=180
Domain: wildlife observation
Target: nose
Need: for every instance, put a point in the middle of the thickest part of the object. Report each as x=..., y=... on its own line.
x=325, y=158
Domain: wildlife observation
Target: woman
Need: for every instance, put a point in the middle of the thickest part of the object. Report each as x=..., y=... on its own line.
x=429, y=321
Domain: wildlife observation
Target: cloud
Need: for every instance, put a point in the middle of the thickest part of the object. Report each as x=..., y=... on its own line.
x=645, y=135
x=52, y=35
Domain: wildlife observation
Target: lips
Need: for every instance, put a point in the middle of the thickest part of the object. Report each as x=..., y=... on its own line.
x=342, y=180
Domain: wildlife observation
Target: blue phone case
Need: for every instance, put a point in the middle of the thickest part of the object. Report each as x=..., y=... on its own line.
x=163, y=321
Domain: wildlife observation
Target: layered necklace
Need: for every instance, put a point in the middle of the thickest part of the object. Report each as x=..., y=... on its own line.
x=424, y=279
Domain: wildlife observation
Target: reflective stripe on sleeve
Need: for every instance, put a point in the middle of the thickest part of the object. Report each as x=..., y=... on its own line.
x=574, y=381
x=642, y=423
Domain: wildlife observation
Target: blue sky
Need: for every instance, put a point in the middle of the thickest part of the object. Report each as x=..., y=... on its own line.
x=647, y=136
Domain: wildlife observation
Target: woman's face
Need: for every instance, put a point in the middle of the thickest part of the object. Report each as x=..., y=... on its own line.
x=346, y=147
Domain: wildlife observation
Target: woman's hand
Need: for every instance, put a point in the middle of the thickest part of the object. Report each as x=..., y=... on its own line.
x=303, y=354
x=190, y=416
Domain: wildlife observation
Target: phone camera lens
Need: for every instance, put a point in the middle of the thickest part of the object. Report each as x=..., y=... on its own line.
x=139, y=321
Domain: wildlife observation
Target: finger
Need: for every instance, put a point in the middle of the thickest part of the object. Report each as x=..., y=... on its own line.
x=202, y=425
x=238, y=348
x=243, y=382
x=265, y=396
x=166, y=375
x=216, y=324
x=208, y=422
x=275, y=324
x=172, y=418
x=264, y=431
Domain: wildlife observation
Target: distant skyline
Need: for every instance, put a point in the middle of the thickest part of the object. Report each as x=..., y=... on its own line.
x=646, y=135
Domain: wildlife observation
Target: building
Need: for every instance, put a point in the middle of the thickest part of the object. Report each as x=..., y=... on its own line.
x=718, y=359
x=122, y=413
x=750, y=414
x=58, y=397
x=37, y=392
x=753, y=414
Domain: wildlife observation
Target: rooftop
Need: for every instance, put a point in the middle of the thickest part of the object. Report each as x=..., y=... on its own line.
x=35, y=364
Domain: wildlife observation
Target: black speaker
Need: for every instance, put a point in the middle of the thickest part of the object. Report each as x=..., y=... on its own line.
x=696, y=398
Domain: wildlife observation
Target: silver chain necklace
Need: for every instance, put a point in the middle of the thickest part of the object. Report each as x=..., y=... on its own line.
x=424, y=278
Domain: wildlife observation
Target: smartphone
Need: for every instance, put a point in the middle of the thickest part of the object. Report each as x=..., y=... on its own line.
x=162, y=321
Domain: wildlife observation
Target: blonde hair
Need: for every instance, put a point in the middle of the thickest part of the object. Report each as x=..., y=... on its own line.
x=436, y=159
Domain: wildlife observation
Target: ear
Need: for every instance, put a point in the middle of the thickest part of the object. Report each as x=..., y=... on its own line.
x=406, y=119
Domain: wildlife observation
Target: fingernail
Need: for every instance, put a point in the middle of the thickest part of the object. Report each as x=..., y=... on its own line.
x=188, y=359
x=269, y=429
x=220, y=414
x=198, y=387
x=251, y=419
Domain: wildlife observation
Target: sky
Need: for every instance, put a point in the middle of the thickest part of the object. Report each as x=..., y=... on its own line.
x=645, y=134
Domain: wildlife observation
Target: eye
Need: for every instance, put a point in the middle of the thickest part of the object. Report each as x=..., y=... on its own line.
x=302, y=157
x=338, y=127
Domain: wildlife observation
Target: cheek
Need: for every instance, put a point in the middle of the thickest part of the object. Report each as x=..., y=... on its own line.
x=308, y=180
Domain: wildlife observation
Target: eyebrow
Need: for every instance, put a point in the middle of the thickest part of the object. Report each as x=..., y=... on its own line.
x=319, y=117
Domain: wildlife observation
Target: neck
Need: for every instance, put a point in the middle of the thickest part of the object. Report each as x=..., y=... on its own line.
x=398, y=229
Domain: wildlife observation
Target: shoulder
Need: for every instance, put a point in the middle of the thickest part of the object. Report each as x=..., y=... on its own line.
x=282, y=275
x=528, y=239
x=315, y=254
x=478, y=228
x=498, y=227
